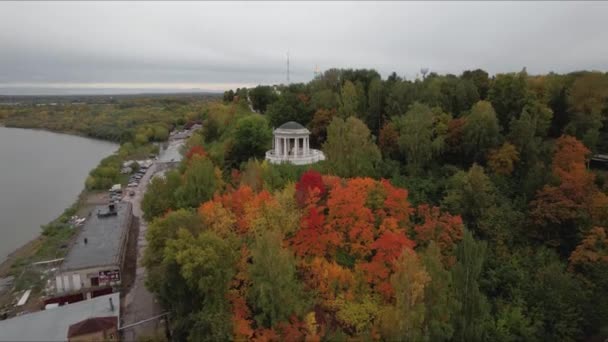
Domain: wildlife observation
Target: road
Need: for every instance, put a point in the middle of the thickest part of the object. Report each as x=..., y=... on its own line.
x=140, y=303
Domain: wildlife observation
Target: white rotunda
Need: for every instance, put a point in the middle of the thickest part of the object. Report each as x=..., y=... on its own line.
x=291, y=145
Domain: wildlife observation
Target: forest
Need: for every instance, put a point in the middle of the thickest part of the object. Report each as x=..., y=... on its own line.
x=450, y=208
x=136, y=122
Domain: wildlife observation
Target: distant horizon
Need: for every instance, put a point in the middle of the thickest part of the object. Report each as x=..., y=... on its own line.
x=41, y=91
x=112, y=88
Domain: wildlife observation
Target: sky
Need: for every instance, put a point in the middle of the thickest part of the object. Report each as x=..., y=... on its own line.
x=91, y=47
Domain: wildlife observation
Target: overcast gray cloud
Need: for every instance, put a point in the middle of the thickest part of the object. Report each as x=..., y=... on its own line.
x=220, y=45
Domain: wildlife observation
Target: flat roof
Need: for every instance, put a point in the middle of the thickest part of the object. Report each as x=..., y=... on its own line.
x=53, y=324
x=104, y=239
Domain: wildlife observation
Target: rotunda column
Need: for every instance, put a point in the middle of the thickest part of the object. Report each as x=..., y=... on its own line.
x=284, y=147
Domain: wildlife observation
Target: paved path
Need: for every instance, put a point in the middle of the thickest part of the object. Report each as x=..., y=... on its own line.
x=140, y=304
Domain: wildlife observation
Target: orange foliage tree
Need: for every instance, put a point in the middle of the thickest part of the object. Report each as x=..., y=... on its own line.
x=196, y=150
x=388, y=248
x=570, y=197
x=442, y=227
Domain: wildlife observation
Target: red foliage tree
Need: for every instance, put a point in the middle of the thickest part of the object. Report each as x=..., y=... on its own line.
x=396, y=204
x=196, y=150
x=442, y=227
x=310, y=183
x=388, y=248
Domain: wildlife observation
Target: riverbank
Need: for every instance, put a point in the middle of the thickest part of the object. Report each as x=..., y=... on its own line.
x=84, y=204
x=52, y=243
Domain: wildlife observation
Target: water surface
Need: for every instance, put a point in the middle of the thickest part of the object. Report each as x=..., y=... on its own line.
x=41, y=174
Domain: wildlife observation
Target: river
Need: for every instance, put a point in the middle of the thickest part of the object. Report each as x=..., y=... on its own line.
x=41, y=174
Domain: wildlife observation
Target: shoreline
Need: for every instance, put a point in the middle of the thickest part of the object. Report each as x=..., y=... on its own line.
x=29, y=248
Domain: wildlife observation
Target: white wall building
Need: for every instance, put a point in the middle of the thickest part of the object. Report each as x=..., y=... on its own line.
x=291, y=145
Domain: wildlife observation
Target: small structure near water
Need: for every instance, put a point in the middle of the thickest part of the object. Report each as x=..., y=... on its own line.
x=291, y=144
x=95, y=261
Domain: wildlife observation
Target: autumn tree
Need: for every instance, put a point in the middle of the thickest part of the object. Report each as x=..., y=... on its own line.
x=318, y=126
x=439, y=228
x=349, y=149
x=590, y=261
x=388, y=248
x=502, y=161
x=388, y=140
x=405, y=320
x=310, y=185
x=557, y=208
x=196, y=150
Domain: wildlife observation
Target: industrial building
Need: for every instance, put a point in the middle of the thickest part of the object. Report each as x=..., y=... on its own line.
x=94, y=263
x=71, y=322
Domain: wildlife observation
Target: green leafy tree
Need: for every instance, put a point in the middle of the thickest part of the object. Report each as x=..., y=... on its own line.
x=206, y=264
x=555, y=297
x=261, y=97
x=160, y=195
x=289, y=107
x=470, y=194
x=480, y=79
x=588, y=100
x=471, y=319
x=421, y=137
x=509, y=94
x=324, y=99
x=228, y=96
x=438, y=296
x=200, y=181
x=349, y=102
x=481, y=130
x=252, y=138
x=349, y=149
x=160, y=231
x=375, y=100
x=275, y=292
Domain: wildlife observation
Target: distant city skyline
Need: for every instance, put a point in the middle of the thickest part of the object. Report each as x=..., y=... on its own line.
x=92, y=46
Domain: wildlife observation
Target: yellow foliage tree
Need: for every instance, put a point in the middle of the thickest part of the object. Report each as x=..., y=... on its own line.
x=502, y=161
